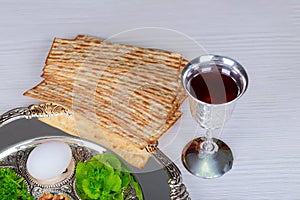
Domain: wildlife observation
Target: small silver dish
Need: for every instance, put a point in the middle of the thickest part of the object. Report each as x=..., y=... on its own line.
x=16, y=156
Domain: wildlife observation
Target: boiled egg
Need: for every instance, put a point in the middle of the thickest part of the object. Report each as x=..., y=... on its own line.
x=49, y=160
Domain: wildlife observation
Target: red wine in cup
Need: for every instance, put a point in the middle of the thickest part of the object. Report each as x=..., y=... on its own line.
x=214, y=88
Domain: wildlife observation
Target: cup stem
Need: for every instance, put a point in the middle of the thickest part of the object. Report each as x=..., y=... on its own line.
x=209, y=146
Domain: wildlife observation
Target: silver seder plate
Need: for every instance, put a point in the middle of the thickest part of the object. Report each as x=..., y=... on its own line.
x=160, y=179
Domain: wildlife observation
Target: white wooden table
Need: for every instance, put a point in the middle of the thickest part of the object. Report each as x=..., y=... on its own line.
x=264, y=131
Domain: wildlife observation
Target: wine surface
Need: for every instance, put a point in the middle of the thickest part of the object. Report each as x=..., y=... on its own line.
x=214, y=88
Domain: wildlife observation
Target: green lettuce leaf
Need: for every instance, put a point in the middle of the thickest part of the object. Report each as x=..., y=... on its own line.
x=104, y=177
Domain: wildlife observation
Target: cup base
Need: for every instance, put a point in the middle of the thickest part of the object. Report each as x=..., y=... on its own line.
x=207, y=165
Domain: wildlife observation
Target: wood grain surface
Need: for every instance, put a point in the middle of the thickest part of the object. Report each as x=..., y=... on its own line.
x=264, y=130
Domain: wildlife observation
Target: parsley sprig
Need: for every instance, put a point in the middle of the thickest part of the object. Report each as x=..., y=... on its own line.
x=12, y=186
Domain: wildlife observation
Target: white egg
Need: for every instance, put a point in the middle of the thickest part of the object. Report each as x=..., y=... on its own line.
x=48, y=160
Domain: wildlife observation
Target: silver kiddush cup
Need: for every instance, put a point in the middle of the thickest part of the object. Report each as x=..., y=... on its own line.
x=208, y=157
